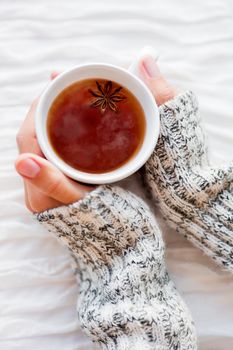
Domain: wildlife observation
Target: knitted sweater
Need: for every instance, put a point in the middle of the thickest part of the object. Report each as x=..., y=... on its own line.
x=127, y=300
x=196, y=198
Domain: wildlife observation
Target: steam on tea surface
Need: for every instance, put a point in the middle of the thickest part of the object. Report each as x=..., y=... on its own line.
x=96, y=125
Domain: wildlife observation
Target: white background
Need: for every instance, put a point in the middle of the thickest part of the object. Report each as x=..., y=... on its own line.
x=195, y=42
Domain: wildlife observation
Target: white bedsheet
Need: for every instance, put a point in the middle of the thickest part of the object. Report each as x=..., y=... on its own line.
x=195, y=41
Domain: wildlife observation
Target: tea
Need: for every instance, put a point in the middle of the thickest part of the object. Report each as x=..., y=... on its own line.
x=96, y=125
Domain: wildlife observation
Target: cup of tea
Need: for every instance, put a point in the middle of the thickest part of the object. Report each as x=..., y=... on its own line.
x=98, y=123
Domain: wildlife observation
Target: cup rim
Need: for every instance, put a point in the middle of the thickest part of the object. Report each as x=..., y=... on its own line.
x=129, y=167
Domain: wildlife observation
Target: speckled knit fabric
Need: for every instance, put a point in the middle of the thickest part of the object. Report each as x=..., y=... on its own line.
x=127, y=300
x=193, y=196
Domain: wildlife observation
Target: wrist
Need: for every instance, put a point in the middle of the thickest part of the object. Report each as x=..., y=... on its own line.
x=100, y=228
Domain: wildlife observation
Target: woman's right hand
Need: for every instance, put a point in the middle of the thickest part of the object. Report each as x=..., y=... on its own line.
x=161, y=89
x=45, y=186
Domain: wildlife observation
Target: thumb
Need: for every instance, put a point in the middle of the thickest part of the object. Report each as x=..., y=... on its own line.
x=48, y=179
x=153, y=78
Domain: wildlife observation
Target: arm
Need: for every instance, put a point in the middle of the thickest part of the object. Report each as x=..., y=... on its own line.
x=127, y=300
x=194, y=196
x=155, y=314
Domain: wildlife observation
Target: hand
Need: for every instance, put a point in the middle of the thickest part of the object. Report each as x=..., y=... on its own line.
x=162, y=90
x=45, y=186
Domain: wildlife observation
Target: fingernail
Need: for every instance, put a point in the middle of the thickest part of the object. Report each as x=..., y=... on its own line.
x=28, y=168
x=151, y=67
x=54, y=74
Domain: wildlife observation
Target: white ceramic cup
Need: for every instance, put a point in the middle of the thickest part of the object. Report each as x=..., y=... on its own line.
x=125, y=79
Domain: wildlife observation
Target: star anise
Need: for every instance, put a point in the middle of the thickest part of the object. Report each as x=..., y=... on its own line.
x=106, y=96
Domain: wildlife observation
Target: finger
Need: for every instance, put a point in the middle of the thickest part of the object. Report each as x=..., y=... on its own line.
x=38, y=202
x=49, y=180
x=26, y=199
x=162, y=90
x=26, y=138
x=27, y=141
x=54, y=74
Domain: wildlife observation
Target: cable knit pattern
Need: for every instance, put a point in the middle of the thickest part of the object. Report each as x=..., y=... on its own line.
x=127, y=300
x=193, y=196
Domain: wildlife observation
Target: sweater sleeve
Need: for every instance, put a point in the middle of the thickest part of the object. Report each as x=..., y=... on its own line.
x=194, y=196
x=126, y=298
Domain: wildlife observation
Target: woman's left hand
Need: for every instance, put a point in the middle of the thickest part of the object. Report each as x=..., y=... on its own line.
x=161, y=89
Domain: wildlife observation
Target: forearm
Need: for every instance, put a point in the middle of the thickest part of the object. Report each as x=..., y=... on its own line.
x=194, y=196
x=125, y=291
